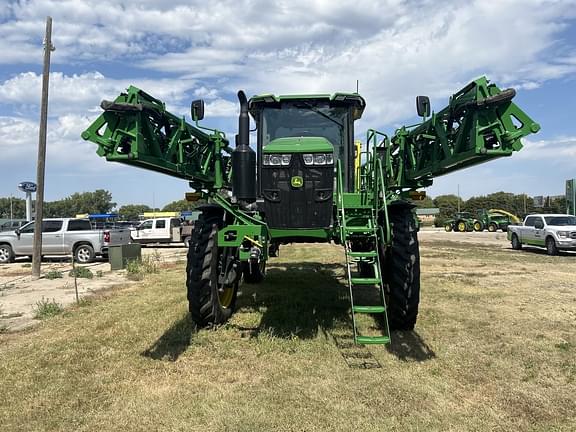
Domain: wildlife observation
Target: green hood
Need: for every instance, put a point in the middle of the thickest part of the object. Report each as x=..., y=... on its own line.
x=299, y=145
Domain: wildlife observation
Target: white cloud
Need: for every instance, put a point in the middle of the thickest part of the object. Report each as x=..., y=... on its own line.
x=15, y=137
x=82, y=93
x=560, y=149
x=192, y=49
x=221, y=108
x=65, y=149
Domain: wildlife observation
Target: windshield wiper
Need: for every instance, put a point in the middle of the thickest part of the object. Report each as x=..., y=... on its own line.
x=317, y=111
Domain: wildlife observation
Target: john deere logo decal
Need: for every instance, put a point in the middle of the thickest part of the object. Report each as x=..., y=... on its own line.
x=297, y=181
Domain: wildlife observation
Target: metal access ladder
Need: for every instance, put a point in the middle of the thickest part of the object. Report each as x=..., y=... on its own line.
x=359, y=225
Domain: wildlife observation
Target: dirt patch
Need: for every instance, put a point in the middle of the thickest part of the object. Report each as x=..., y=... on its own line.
x=20, y=293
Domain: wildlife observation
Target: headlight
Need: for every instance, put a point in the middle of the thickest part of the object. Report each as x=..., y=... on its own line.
x=276, y=159
x=320, y=159
x=563, y=234
x=315, y=159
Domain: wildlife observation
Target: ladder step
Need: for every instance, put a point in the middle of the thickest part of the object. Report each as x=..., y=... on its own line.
x=365, y=281
x=369, y=309
x=363, y=254
x=356, y=229
x=372, y=340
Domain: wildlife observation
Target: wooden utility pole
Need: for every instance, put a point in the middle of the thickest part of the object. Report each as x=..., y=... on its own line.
x=37, y=247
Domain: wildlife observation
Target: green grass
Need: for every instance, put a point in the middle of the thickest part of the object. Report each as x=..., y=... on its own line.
x=136, y=270
x=47, y=309
x=53, y=274
x=495, y=355
x=81, y=272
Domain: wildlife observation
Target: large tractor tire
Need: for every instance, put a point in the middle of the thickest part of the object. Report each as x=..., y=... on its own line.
x=211, y=297
x=478, y=226
x=461, y=226
x=402, y=269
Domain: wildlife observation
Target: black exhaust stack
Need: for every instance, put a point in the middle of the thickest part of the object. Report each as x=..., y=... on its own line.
x=243, y=157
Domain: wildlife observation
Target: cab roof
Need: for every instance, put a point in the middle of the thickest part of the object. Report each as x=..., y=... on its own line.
x=258, y=102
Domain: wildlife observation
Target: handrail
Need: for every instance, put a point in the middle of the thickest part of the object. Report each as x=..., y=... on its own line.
x=380, y=176
x=340, y=193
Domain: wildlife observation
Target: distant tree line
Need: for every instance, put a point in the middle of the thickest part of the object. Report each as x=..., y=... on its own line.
x=99, y=201
x=132, y=211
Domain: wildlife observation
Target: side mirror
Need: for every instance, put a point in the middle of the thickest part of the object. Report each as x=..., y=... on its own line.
x=197, y=110
x=538, y=224
x=423, y=106
x=17, y=232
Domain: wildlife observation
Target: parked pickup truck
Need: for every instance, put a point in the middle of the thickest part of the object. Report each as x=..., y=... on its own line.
x=553, y=231
x=62, y=237
x=162, y=230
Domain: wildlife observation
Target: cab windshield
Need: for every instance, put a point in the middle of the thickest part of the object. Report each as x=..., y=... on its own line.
x=307, y=119
x=560, y=220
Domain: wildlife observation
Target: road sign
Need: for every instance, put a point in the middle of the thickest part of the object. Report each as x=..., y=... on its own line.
x=27, y=186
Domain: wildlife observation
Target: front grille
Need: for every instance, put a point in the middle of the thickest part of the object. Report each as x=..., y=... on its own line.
x=287, y=206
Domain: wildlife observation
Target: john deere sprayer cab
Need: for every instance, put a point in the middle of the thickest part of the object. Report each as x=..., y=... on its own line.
x=309, y=181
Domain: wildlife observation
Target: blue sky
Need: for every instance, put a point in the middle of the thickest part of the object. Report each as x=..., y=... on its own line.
x=181, y=50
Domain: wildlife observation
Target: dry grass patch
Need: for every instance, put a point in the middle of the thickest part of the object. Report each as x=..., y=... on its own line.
x=492, y=351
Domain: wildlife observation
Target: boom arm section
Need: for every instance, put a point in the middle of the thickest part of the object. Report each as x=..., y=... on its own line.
x=137, y=130
x=480, y=123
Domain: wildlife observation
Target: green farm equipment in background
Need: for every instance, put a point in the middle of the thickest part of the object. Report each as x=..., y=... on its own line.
x=491, y=220
x=495, y=219
x=461, y=222
x=307, y=182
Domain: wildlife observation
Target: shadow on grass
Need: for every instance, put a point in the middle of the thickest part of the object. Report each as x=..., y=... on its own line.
x=174, y=341
x=409, y=346
x=298, y=300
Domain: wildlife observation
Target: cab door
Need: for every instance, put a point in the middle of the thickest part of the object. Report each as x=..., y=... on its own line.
x=159, y=232
x=144, y=231
x=23, y=243
x=539, y=231
x=52, y=237
x=533, y=231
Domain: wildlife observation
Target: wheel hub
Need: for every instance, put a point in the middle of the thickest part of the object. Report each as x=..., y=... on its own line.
x=83, y=255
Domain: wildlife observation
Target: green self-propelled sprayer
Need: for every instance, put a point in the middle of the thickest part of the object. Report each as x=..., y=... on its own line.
x=308, y=181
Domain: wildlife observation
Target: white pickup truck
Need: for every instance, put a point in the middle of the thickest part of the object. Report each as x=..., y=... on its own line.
x=63, y=236
x=162, y=230
x=553, y=231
